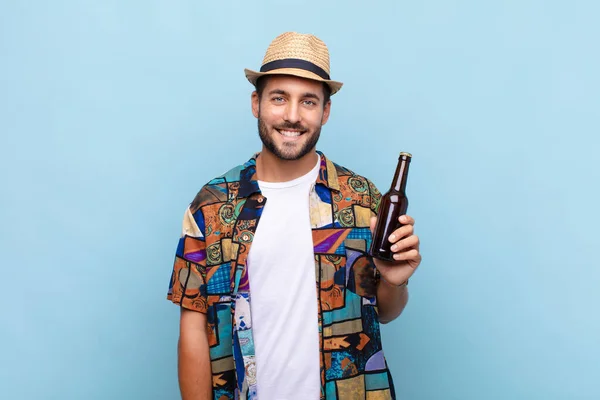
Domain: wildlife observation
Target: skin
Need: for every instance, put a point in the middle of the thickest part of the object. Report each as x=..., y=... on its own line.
x=296, y=105
x=289, y=102
x=193, y=358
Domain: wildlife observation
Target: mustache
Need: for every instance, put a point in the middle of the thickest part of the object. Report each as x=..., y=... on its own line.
x=297, y=127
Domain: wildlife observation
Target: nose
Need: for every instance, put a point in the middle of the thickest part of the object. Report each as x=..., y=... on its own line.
x=292, y=113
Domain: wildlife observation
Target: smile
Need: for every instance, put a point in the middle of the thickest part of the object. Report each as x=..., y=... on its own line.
x=290, y=134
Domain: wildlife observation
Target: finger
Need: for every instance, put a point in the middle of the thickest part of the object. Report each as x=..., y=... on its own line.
x=406, y=219
x=401, y=232
x=412, y=254
x=408, y=243
x=372, y=223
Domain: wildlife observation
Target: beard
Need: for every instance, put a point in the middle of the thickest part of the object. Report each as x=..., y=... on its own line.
x=288, y=151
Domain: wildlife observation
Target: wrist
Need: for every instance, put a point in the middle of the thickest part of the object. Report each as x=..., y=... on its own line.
x=381, y=278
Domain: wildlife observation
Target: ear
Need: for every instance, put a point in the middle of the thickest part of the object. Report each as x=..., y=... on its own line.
x=326, y=111
x=255, y=104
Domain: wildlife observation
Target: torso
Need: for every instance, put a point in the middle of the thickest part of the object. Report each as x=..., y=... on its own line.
x=281, y=271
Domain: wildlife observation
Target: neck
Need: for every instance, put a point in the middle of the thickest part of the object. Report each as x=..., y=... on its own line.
x=270, y=168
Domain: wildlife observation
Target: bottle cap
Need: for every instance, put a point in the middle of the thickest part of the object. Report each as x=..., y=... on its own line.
x=405, y=154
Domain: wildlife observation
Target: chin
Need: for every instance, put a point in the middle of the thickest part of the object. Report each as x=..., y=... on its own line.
x=288, y=150
x=289, y=156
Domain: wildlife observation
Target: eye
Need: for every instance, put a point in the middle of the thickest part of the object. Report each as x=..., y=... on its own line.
x=310, y=103
x=277, y=99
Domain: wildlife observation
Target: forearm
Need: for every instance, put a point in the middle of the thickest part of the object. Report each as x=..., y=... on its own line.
x=194, y=370
x=391, y=300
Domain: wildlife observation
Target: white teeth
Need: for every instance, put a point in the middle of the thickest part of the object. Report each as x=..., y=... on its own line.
x=290, y=133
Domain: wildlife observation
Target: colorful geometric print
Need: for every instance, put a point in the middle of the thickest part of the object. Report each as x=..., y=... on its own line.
x=218, y=279
x=210, y=276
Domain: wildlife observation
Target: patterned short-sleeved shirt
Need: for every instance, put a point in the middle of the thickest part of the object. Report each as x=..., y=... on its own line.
x=210, y=276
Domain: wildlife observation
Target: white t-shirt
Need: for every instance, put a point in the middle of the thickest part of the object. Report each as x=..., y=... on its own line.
x=281, y=269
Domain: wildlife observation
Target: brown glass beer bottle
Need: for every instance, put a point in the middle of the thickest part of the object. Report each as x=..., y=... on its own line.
x=393, y=204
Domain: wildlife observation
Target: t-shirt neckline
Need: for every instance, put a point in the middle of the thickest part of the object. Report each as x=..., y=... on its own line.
x=310, y=176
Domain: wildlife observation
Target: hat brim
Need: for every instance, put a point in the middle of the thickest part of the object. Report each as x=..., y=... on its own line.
x=253, y=76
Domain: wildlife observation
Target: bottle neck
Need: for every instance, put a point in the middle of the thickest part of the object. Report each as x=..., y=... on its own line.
x=401, y=176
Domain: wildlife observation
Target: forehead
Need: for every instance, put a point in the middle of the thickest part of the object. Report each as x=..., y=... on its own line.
x=293, y=85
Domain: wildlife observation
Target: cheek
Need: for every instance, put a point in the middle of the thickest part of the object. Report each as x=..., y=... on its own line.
x=313, y=120
x=271, y=114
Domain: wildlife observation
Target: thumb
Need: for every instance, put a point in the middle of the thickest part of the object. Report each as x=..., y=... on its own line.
x=372, y=224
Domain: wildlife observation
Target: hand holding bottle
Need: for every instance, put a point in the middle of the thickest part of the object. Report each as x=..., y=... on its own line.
x=395, y=247
x=405, y=252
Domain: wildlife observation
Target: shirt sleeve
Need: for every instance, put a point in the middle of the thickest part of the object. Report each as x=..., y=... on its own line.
x=187, y=287
x=375, y=197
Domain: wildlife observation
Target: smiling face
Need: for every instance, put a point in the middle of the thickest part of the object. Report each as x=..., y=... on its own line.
x=290, y=113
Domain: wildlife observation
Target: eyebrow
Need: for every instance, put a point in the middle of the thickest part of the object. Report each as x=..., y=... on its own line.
x=309, y=95
x=278, y=91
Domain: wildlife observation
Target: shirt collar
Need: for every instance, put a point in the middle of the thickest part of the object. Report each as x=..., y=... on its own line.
x=327, y=177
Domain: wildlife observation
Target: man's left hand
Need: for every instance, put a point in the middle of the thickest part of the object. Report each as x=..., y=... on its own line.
x=405, y=249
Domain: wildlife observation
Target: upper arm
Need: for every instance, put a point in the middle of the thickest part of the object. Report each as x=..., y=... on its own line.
x=192, y=323
x=193, y=350
x=193, y=338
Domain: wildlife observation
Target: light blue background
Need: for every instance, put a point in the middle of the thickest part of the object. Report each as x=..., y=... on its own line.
x=113, y=114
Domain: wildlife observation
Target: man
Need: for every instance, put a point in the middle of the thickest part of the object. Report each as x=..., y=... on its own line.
x=288, y=308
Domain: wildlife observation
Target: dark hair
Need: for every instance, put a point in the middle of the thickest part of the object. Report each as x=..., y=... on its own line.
x=262, y=82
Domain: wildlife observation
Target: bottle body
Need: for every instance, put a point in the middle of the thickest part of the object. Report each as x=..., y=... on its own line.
x=393, y=204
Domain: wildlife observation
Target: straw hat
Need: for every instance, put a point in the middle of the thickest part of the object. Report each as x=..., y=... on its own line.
x=296, y=54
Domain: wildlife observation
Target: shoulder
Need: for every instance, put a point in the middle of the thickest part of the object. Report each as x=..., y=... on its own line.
x=350, y=180
x=217, y=190
x=357, y=187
